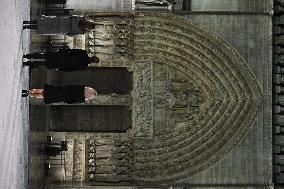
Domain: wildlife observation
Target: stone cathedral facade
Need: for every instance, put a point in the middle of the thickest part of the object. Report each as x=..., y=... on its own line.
x=174, y=99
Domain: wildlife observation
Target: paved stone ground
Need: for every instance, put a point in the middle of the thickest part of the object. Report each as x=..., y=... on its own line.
x=14, y=110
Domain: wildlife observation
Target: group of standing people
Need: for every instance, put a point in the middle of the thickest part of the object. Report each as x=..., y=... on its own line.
x=63, y=60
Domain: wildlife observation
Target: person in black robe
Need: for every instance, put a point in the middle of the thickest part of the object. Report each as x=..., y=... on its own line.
x=69, y=94
x=52, y=150
x=63, y=60
x=66, y=25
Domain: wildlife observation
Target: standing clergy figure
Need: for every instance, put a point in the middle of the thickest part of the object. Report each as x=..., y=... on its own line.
x=68, y=93
x=63, y=60
x=68, y=25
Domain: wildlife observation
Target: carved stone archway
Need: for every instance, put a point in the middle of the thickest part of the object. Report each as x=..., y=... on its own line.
x=194, y=98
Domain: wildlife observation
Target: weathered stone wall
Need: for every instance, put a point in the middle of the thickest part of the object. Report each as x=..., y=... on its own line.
x=236, y=5
x=194, y=98
x=251, y=160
